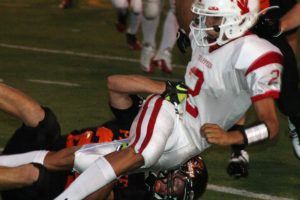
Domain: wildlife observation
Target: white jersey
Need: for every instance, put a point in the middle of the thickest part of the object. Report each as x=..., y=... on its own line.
x=220, y=92
x=223, y=82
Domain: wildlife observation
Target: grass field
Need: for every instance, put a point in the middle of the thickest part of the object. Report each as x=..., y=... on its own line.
x=80, y=46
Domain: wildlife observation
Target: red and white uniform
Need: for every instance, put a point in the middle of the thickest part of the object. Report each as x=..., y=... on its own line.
x=134, y=5
x=222, y=85
x=223, y=82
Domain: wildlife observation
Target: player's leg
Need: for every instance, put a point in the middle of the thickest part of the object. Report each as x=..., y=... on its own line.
x=65, y=4
x=124, y=106
x=122, y=14
x=289, y=99
x=163, y=58
x=134, y=24
x=18, y=177
x=151, y=9
x=29, y=138
x=21, y=106
x=39, y=128
x=149, y=29
x=146, y=147
x=60, y=160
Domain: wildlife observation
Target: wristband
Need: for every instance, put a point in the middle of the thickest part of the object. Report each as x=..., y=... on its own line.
x=256, y=133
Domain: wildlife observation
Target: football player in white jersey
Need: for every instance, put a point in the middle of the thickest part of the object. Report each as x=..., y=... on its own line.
x=229, y=67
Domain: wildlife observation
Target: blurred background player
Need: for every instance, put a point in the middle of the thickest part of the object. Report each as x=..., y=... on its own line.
x=129, y=19
x=65, y=4
x=162, y=58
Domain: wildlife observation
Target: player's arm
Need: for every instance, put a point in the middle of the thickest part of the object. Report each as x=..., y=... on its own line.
x=265, y=128
x=120, y=86
x=131, y=84
x=291, y=19
x=60, y=160
x=184, y=14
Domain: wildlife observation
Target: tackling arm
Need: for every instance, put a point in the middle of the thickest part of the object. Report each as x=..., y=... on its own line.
x=291, y=19
x=120, y=86
x=184, y=14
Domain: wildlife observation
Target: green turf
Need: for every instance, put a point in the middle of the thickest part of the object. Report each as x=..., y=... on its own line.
x=274, y=169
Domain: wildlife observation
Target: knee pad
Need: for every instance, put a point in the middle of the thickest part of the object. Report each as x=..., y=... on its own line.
x=151, y=9
x=136, y=6
x=121, y=4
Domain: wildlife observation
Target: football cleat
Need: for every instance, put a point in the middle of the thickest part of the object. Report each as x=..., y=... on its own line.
x=238, y=164
x=65, y=4
x=163, y=61
x=133, y=42
x=295, y=138
x=147, y=55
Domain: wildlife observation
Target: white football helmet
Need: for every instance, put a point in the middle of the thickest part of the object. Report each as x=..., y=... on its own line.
x=236, y=18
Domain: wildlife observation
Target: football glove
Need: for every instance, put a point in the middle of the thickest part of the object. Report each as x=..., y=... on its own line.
x=183, y=41
x=238, y=164
x=175, y=92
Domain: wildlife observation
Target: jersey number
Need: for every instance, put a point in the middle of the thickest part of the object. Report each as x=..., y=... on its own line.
x=192, y=109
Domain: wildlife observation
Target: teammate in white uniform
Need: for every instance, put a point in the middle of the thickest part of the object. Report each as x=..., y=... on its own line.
x=226, y=70
x=162, y=57
x=133, y=10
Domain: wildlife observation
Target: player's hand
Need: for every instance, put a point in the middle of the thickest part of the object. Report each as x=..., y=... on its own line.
x=183, y=41
x=214, y=134
x=175, y=92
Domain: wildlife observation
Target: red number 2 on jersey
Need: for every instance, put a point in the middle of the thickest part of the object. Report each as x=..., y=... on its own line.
x=192, y=109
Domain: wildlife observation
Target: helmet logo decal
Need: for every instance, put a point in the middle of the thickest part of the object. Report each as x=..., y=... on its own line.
x=213, y=8
x=190, y=166
x=243, y=5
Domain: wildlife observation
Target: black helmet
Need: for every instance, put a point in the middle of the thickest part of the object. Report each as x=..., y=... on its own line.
x=186, y=183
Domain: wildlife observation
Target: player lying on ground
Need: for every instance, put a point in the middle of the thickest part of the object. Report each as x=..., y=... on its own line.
x=190, y=180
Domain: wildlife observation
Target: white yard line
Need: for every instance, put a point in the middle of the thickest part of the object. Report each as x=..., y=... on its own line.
x=54, y=82
x=216, y=188
x=244, y=193
x=73, y=53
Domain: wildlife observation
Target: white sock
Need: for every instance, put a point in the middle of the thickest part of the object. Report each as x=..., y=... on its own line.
x=134, y=23
x=96, y=176
x=23, y=158
x=169, y=32
x=149, y=28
